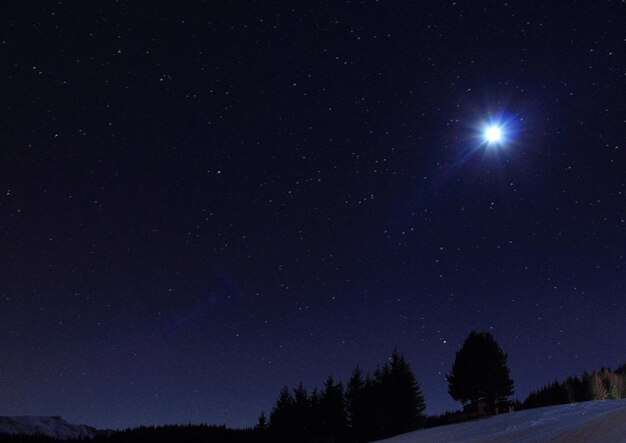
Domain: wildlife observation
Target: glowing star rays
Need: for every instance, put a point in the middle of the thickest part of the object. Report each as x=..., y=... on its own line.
x=493, y=134
x=496, y=133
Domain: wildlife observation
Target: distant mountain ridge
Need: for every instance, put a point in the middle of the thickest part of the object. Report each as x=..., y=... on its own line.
x=51, y=426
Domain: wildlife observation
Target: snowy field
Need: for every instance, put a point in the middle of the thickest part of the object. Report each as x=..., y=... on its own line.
x=595, y=421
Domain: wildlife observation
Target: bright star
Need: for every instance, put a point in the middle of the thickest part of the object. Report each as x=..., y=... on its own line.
x=493, y=134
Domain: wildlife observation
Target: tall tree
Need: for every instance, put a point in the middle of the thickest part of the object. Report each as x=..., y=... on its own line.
x=480, y=372
x=261, y=422
x=282, y=418
x=333, y=411
x=363, y=407
x=356, y=406
x=402, y=402
x=301, y=410
x=316, y=415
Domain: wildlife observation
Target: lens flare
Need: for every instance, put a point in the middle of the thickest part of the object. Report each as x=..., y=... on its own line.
x=493, y=134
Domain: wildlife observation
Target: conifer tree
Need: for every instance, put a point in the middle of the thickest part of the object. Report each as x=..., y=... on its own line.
x=333, y=411
x=480, y=372
x=316, y=414
x=261, y=422
x=401, y=400
x=356, y=405
x=282, y=417
x=301, y=410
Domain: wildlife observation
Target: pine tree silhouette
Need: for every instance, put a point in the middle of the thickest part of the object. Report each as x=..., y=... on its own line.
x=402, y=402
x=333, y=411
x=480, y=372
x=282, y=418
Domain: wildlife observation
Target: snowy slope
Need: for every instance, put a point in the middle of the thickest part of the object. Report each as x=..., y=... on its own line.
x=50, y=426
x=595, y=421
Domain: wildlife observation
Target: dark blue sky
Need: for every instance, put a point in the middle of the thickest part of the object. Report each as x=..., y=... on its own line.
x=203, y=202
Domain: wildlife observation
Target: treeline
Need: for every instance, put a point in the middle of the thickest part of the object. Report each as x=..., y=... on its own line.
x=369, y=407
x=187, y=434
x=598, y=385
x=387, y=403
x=157, y=434
x=21, y=438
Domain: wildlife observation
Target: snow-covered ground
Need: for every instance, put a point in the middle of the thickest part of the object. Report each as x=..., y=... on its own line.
x=50, y=426
x=594, y=422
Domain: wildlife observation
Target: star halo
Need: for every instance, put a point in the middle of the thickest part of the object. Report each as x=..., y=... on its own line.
x=495, y=132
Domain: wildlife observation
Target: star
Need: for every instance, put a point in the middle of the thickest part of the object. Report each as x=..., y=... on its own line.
x=493, y=134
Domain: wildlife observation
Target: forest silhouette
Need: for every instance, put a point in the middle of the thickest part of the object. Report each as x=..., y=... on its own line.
x=382, y=404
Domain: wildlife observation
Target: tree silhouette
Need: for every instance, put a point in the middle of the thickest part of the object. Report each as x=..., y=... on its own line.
x=402, y=402
x=359, y=410
x=333, y=411
x=282, y=419
x=363, y=407
x=316, y=416
x=301, y=410
x=480, y=372
x=376, y=407
x=261, y=422
x=388, y=404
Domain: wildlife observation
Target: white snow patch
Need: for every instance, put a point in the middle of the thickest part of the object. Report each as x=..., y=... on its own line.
x=594, y=421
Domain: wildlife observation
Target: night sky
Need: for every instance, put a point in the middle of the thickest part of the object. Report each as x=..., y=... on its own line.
x=202, y=202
